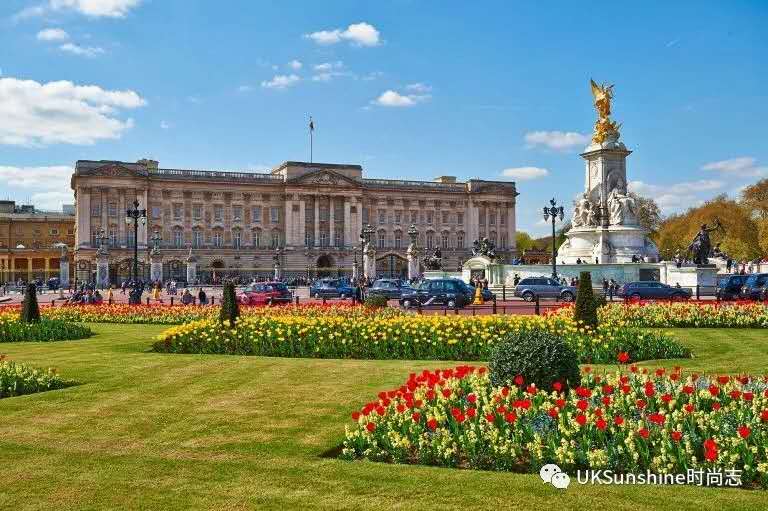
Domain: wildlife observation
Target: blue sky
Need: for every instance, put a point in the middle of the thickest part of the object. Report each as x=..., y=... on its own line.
x=407, y=89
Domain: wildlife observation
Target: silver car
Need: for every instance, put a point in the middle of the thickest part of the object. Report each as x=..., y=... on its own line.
x=544, y=287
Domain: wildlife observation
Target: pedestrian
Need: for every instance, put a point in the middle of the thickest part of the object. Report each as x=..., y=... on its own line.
x=201, y=297
x=109, y=294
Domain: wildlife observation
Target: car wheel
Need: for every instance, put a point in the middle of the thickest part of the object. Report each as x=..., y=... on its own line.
x=567, y=296
x=269, y=301
x=528, y=296
x=342, y=296
x=635, y=296
x=317, y=295
x=451, y=303
x=678, y=297
x=407, y=304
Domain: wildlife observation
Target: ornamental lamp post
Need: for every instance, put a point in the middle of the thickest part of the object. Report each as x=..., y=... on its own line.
x=132, y=217
x=365, y=239
x=555, y=212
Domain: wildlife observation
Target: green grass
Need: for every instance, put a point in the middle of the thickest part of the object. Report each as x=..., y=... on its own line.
x=152, y=431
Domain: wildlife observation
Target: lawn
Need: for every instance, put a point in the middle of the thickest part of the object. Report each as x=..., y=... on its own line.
x=151, y=431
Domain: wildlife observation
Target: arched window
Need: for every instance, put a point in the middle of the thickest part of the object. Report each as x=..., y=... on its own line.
x=178, y=238
x=275, y=238
x=459, y=240
x=430, y=240
x=398, y=239
x=218, y=239
x=308, y=239
x=236, y=239
x=493, y=237
x=323, y=239
x=382, y=239
x=256, y=233
x=338, y=242
x=197, y=238
x=503, y=240
x=444, y=241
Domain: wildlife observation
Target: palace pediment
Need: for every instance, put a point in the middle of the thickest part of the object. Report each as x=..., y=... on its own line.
x=323, y=177
x=113, y=170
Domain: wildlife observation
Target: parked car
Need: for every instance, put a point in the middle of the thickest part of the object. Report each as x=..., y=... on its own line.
x=544, y=287
x=729, y=287
x=389, y=288
x=755, y=286
x=53, y=283
x=331, y=288
x=265, y=293
x=653, y=290
x=452, y=293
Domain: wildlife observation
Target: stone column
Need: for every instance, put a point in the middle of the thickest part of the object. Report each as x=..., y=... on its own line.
x=83, y=215
x=64, y=270
x=331, y=222
x=511, y=228
x=348, y=240
x=155, y=266
x=289, y=220
x=369, y=262
x=302, y=222
x=121, y=219
x=104, y=212
x=144, y=202
x=317, y=220
x=473, y=223
x=102, y=270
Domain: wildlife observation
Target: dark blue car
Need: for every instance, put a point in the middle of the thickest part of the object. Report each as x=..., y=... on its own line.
x=729, y=287
x=653, y=291
x=331, y=288
x=755, y=286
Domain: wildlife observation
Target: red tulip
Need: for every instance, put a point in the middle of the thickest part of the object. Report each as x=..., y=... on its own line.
x=432, y=424
x=416, y=416
x=744, y=432
x=519, y=380
x=644, y=433
x=618, y=420
x=676, y=436
x=581, y=419
x=557, y=386
x=370, y=427
x=511, y=417
x=355, y=416
x=623, y=357
x=601, y=424
x=582, y=405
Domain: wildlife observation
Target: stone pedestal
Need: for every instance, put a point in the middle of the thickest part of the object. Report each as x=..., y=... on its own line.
x=369, y=262
x=690, y=276
x=278, y=272
x=102, y=271
x=155, y=268
x=64, y=272
x=605, y=245
x=191, y=272
x=413, y=262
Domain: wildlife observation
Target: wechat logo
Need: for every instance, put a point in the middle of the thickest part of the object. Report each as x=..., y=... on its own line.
x=552, y=474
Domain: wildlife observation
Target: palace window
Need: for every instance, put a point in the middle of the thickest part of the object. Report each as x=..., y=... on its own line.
x=178, y=238
x=256, y=214
x=398, y=217
x=177, y=211
x=460, y=218
x=430, y=240
x=236, y=239
x=492, y=217
x=274, y=215
x=197, y=238
x=445, y=240
x=237, y=213
x=382, y=239
x=382, y=217
x=130, y=238
x=197, y=211
x=54, y=232
x=275, y=238
x=493, y=237
x=156, y=212
x=323, y=239
x=446, y=217
x=112, y=238
x=338, y=242
x=503, y=218
x=503, y=240
x=112, y=209
x=218, y=239
x=398, y=239
x=430, y=217
x=414, y=217
x=460, y=240
x=308, y=239
x=481, y=216
x=323, y=211
x=218, y=213
x=95, y=209
x=256, y=238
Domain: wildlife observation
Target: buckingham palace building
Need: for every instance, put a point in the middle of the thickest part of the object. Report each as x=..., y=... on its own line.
x=306, y=216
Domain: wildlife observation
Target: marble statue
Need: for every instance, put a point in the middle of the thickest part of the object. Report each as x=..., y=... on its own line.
x=585, y=213
x=622, y=208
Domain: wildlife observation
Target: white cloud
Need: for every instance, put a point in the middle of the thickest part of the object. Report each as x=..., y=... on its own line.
x=419, y=88
x=81, y=51
x=395, y=99
x=359, y=34
x=327, y=71
x=90, y=8
x=683, y=188
x=373, y=75
x=34, y=113
x=557, y=140
x=52, y=34
x=52, y=200
x=281, y=81
x=525, y=173
x=745, y=166
x=328, y=66
x=164, y=125
x=295, y=65
x=41, y=178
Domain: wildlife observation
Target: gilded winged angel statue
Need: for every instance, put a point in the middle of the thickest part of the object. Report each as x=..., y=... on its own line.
x=604, y=127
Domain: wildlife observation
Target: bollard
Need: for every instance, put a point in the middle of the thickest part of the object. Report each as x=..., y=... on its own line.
x=697, y=291
x=610, y=293
x=109, y=301
x=494, y=305
x=171, y=301
x=53, y=302
x=213, y=299
x=296, y=298
x=456, y=311
x=445, y=311
x=323, y=300
x=503, y=292
x=537, y=310
x=147, y=300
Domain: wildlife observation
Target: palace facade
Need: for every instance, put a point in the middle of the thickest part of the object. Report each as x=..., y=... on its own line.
x=308, y=214
x=30, y=240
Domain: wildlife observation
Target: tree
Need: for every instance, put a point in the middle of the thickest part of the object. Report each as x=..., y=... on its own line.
x=738, y=237
x=586, y=306
x=648, y=213
x=524, y=241
x=755, y=199
x=30, y=311
x=230, y=310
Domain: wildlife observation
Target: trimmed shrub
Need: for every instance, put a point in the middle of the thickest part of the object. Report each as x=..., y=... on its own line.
x=230, y=310
x=376, y=301
x=586, y=307
x=30, y=312
x=539, y=357
x=19, y=379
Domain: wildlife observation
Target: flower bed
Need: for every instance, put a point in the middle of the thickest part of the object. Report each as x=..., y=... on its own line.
x=683, y=314
x=632, y=422
x=19, y=379
x=398, y=336
x=13, y=330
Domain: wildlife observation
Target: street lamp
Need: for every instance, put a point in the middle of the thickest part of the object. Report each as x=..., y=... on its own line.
x=134, y=216
x=555, y=212
x=365, y=238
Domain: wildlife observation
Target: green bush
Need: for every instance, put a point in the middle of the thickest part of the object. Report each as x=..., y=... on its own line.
x=586, y=307
x=30, y=312
x=230, y=310
x=538, y=356
x=376, y=301
x=19, y=379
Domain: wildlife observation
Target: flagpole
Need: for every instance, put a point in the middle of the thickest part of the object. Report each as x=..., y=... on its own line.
x=311, y=140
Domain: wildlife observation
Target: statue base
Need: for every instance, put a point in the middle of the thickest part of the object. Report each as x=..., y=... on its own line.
x=604, y=245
